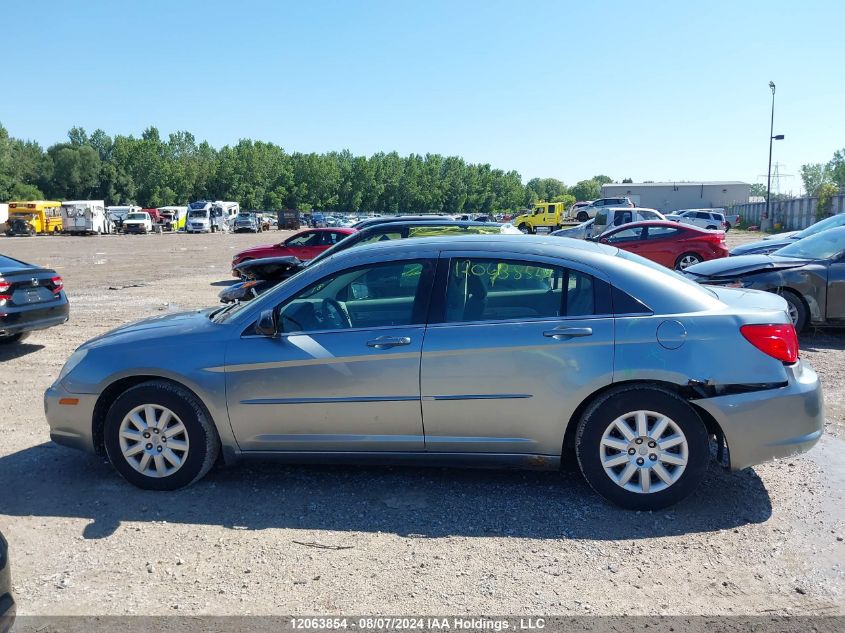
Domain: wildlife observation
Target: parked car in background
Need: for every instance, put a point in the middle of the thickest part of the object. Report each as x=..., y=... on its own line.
x=246, y=222
x=668, y=243
x=7, y=601
x=713, y=219
x=580, y=232
x=576, y=208
x=515, y=350
x=117, y=215
x=259, y=275
x=611, y=217
x=771, y=244
x=809, y=274
x=589, y=211
x=304, y=245
x=138, y=222
x=381, y=219
x=31, y=298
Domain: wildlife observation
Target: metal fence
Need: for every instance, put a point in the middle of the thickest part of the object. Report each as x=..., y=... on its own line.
x=792, y=215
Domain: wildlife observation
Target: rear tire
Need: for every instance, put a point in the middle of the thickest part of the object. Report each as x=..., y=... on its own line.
x=525, y=228
x=727, y=226
x=669, y=441
x=150, y=467
x=798, y=312
x=686, y=260
x=8, y=339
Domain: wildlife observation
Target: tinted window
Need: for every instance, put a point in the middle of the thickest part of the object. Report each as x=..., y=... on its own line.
x=661, y=232
x=305, y=239
x=601, y=218
x=370, y=296
x=492, y=290
x=702, y=216
x=626, y=235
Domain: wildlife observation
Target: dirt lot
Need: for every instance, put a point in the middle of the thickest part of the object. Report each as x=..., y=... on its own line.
x=274, y=539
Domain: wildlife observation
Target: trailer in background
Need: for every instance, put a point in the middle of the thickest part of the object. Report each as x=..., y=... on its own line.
x=288, y=219
x=173, y=218
x=85, y=217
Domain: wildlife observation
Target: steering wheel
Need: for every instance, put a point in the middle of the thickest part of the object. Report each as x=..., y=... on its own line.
x=333, y=311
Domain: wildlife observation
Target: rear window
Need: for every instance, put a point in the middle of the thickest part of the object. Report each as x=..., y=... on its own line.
x=7, y=263
x=694, y=287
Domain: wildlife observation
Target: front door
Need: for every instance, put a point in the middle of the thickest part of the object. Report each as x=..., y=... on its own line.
x=343, y=373
x=518, y=346
x=836, y=290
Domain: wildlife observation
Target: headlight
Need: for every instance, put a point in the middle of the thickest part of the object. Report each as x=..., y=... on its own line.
x=72, y=362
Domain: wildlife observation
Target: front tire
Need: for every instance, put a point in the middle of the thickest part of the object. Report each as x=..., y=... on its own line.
x=525, y=228
x=642, y=447
x=797, y=310
x=582, y=216
x=159, y=437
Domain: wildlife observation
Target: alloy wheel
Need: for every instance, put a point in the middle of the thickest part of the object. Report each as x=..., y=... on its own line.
x=688, y=260
x=153, y=440
x=643, y=451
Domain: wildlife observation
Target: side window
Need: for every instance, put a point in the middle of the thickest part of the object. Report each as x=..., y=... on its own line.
x=493, y=290
x=661, y=232
x=311, y=238
x=625, y=235
x=366, y=297
x=601, y=218
x=702, y=216
x=382, y=236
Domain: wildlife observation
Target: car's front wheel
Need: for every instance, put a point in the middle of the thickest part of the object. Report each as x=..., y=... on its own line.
x=797, y=309
x=582, y=216
x=159, y=437
x=642, y=447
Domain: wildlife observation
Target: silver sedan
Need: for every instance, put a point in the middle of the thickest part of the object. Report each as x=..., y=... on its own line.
x=514, y=351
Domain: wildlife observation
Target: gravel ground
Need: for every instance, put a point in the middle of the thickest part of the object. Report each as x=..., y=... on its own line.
x=272, y=539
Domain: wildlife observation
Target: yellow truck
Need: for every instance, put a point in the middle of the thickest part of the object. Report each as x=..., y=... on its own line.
x=38, y=216
x=547, y=216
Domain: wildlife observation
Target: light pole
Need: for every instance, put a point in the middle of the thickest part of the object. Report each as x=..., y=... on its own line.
x=772, y=138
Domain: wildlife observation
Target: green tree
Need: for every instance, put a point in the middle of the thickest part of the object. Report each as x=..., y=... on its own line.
x=836, y=168
x=813, y=176
x=603, y=180
x=585, y=190
x=825, y=201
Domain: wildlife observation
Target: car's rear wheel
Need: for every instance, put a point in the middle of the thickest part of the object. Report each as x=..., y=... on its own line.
x=686, y=260
x=582, y=216
x=8, y=339
x=727, y=226
x=797, y=309
x=159, y=437
x=641, y=447
x=525, y=228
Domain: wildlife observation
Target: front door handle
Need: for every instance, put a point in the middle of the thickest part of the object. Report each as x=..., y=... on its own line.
x=564, y=333
x=386, y=342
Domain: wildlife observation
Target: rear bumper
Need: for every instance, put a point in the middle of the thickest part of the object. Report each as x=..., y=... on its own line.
x=34, y=317
x=70, y=424
x=765, y=425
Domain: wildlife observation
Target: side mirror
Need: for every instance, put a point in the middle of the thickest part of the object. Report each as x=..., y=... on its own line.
x=266, y=325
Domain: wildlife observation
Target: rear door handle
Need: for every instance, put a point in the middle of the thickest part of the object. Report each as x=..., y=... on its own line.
x=564, y=333
x=386, y=342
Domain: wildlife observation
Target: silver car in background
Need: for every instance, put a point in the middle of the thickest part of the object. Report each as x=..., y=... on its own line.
x=517, y=351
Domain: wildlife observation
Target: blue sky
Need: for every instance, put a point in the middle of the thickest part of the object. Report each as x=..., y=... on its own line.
x=647, y=90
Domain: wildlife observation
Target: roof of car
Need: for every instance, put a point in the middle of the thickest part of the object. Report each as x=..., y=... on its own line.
x=398, y=218
x=333, y=229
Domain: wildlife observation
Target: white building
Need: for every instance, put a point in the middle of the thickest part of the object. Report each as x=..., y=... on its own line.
x=667, y=197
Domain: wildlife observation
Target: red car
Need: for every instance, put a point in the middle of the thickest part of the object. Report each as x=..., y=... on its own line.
x=669, y=243
x=303, y=245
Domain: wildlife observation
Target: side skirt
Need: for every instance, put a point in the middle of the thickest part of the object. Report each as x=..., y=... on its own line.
x=461, y=460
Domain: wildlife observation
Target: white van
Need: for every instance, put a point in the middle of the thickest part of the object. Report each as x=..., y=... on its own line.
x=610, y=218
x=117, y=214
x=83, y=217
x=223, y=215
x=199, y=217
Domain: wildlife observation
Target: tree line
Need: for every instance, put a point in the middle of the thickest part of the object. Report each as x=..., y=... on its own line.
x=151, y=171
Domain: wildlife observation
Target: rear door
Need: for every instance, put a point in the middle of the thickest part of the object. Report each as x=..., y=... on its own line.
x=513, y=345
x=661, y=244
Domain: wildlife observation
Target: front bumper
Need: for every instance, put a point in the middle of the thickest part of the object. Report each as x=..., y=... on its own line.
x=135, y=228
x=71, y=424
x=37, y=316
x=764, y=425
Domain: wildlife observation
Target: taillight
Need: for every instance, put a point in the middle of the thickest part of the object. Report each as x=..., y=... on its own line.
x=58, y=284
x=4, y=288
x=776, y=340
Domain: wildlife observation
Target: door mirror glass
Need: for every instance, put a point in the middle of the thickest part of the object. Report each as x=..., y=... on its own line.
x=266, y=324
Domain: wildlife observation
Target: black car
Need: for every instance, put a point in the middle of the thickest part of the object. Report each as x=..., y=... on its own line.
x=31, y=298
x=19, y=226
x=259, y=275
x=7, y=602
x=809, y=274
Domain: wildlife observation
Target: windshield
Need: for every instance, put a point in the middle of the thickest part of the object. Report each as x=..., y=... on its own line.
x=136, y=216
x=824, y=225
x=824, y=245
x=198, y=214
